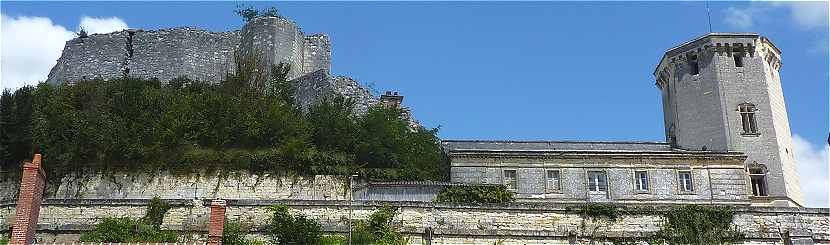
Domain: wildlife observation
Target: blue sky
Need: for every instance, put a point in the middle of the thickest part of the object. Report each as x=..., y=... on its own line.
x=516, y=70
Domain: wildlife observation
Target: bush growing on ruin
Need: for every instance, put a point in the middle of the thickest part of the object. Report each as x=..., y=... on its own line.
x=249, y=13
x=475, y=194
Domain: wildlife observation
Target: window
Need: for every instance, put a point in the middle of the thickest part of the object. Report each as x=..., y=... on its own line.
x=510, y=179
x=597, y=181
x=739, y=59
x=552, y=181
x=685, y=178
x=759, y=182
x=641, y=181
x=694, y=69
x=747, y=112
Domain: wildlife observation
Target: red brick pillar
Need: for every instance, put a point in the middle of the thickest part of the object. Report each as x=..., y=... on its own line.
x=28, y=202
x=217, y=222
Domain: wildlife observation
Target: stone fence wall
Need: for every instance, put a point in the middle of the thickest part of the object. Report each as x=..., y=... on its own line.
x=167, y=186
x=61, y=220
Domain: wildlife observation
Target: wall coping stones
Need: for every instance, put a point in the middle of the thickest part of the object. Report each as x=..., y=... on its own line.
x=516, y=206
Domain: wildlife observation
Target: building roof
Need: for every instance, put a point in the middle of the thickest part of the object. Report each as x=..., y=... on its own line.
x=414, y=183
x=512, y=145
x=569, y=149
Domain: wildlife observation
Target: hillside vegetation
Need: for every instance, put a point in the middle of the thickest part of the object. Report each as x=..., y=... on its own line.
x=249, y=122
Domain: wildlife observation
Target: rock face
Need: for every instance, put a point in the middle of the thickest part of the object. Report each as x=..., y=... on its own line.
x=209, y=56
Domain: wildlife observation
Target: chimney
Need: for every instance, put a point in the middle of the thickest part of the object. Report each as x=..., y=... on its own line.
x=217, y=222
x=391, y=99
x=28, y=203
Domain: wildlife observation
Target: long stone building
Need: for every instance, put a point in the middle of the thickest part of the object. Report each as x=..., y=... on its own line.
x=728, y=140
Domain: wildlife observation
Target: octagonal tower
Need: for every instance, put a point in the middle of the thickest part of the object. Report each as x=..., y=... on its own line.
x=722, y=92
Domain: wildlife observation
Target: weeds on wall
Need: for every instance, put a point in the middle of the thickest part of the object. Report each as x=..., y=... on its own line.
x=475, y=194
x=249, y=122
x=695, y=224
x=146, y=229
x=596, y=211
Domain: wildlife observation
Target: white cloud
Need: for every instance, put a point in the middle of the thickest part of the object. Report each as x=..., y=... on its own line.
x=739, y=17
x=102, y=25
x=30, y=46
x=813, y=171
x=805, y=15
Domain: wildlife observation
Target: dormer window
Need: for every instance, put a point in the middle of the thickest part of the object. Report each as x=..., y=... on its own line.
x=694, y=68
x=747, y=112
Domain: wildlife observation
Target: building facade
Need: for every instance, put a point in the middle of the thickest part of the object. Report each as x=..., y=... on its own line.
x=727, y=140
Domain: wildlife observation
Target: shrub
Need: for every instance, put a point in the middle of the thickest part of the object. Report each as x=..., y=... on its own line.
x=285, y=228
x=333, y=240
x=378, y=229
x=128, y=230
x=234, y=234
x=4, y=240
x=475, y=194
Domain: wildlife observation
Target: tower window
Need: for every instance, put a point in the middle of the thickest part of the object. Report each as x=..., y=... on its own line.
x=759, y=182
x=641, y=181
x=739, y=59
x=597, y=181
x=510, y=179
x=552, y=182
x=694, y=69
x=685, y=179
x=747, y=112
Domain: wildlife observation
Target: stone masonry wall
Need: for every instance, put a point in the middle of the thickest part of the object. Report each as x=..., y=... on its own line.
x=62, y=220
x=317, y=53
x=102, y=56
x=166, y=186
x=198, y=54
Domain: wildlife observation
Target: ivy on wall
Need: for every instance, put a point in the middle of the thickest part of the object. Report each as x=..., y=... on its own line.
x=695, y=224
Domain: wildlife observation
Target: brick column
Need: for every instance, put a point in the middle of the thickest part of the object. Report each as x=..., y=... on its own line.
x=217, y=222
x=28, y=202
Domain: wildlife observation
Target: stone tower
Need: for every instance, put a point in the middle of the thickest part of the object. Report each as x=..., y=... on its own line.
x=722, y=92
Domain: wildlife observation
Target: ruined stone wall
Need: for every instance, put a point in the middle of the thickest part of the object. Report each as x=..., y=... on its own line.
x=197, y=54
x=62, y=220
x=317, y=53
x=313, y=86
x=169, y=53
x=102, y=56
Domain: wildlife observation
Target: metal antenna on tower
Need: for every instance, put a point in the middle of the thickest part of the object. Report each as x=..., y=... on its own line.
x=709, y=16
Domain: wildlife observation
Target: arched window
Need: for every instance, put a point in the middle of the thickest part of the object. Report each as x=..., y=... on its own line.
x=758, y=180
x=747, y=112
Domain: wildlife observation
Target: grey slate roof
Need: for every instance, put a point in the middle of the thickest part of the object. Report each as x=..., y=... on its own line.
x=501, y=145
